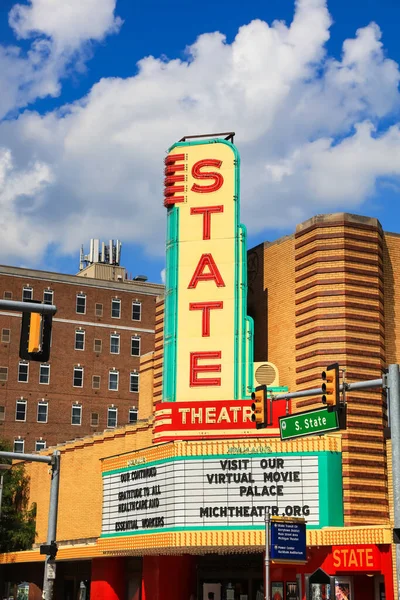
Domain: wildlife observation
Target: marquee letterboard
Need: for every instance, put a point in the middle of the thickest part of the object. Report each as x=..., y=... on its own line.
x=211, y=492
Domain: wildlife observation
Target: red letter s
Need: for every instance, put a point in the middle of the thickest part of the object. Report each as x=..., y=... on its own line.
x=217, y=178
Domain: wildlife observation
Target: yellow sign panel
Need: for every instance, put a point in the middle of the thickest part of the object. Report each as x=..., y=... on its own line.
x=201, y=182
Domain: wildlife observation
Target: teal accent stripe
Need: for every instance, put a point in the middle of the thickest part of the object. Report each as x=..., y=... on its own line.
x=250, y=359
x=330, y=489
x=154, y=463
x=171, y=307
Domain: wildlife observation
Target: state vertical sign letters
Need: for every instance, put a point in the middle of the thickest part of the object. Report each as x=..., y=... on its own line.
x=208, y=341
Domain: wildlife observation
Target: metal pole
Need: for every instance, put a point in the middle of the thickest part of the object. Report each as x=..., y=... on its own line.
x=49, y=566
x=28, y=457
x=267, y=593
x=357, y=385
x=35, y=307
x=394, y=400
x=1, y=489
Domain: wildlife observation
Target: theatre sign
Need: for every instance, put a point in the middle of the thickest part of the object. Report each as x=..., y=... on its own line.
x=200, y=485
x=208, y=338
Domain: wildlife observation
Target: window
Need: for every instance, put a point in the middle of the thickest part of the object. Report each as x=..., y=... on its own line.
x=114, y=343
x=81, y=304
x=96, y=382
x=94, y=419
x=2, y=413
x=134, y=382
x=76, y=417
x=5, y=336
x=97, y=346
x=78, y=377
x=112, y=416
x=7, y=295
x=135, y=345
x=3, y=373
x=27, y=293
x=23, y=372
x=113, y=377
x=79, y=339
x=116, y=308
x=98, y=311
x=133, y=415
x=48, y=296
x=20, y=410
x=19, y=445
x=136, y=311
x=44, y=374
x=42, y=411
x=40, y=445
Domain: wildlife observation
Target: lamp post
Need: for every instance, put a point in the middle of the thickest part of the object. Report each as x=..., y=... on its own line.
x=3, y=469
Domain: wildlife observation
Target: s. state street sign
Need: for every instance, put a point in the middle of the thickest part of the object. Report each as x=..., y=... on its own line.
x=312, y=422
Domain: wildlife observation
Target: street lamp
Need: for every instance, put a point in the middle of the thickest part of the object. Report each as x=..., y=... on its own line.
x=3, y=468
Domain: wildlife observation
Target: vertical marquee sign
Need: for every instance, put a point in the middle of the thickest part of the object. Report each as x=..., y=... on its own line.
x=208, y=338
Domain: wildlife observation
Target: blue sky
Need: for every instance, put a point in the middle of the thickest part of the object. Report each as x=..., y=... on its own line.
x=86, y=116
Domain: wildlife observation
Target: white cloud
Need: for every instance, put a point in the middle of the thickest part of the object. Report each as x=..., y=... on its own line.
x=68, y=23
x=61, y=33
x=306, y=127
x=22, y=232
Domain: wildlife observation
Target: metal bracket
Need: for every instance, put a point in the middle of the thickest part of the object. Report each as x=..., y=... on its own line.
x=229, y=136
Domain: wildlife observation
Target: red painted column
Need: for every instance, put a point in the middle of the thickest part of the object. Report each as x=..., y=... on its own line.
x=168, y=577
x=387, y=571
x=108, y=579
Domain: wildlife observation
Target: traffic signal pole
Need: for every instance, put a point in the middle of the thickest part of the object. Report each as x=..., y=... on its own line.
x=394, y=414
x=357, y=385
x=391, y=382
x=28, y=307
x=50, y=547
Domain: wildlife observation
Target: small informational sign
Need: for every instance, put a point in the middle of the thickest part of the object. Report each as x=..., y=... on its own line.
x=51, y=569
x=312, y=422
x=288, y=541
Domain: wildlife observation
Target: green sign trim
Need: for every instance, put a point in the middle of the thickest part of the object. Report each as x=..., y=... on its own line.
x=311, y=422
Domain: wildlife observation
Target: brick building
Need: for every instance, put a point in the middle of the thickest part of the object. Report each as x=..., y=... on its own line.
x=326, y=294
x=104, y=323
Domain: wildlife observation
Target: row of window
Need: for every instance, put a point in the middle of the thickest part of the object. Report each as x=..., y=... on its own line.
x=77, y=379
x=114, y=343
x=76, y=419
x=76, y=413
x=97, y=343
x=115, y=308
x=48, y=298
x=19, y=445
x=113, y=380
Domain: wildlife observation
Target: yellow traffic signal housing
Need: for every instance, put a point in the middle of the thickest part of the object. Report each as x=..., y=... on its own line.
x=331, y=387
x=35, y=333
x=259, y=407
x=35, y=336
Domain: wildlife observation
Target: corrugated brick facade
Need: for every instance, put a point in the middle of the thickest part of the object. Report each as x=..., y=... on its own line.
x=330, y=294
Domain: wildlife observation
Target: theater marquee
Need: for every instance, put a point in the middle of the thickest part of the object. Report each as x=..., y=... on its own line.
x=191, y=489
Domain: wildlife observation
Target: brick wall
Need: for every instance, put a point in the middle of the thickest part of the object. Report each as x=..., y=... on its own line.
x=81, y=486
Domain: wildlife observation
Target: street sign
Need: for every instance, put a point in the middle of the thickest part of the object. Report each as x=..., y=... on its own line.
x=311, y=422
x=288, y=541
x=51, y=569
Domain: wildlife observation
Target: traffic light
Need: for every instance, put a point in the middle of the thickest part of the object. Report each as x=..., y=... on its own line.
x=331, y=387
x=259, y=407
x=35, y=336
